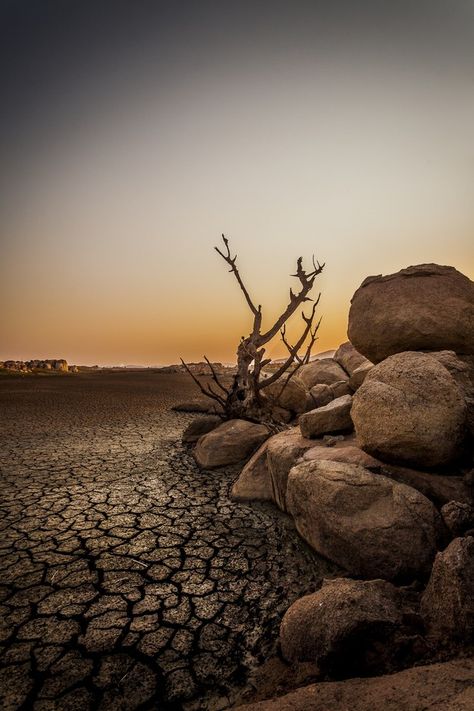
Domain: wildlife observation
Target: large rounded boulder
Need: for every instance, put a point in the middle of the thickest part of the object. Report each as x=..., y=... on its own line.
x=229, y=443
x=425, y=307
x=343, y=626
x=368, y=524
x=410, y=410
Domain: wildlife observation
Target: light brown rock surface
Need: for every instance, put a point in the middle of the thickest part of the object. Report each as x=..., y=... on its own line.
x=231, y=442
x=290, y=396
x=333, y=417
x=410, y=410
x=265, y=475
x=321, y=372
x=200, y=426
x=366, y=523
x=349, y=358
x=448, y=601
x=438, y=687
x=344, y=615
x=424, y=307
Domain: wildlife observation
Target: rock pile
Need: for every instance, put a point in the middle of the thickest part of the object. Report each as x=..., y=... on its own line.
x=377, y=472
x=29, y=366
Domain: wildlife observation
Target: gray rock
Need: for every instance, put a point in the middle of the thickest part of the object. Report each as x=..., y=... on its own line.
x=370, y=525
x=334, y=417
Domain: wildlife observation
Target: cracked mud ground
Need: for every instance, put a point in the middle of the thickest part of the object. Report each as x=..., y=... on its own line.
x=128, y=578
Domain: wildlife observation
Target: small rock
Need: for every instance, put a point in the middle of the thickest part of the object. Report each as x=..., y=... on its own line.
x=229, y=443
x=321, y=372
x=321, y=395
x=200, y=426
x=349, y=358
x=334, y=417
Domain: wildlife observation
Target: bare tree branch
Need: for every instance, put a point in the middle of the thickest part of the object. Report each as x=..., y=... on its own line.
x=205, y=391
x=214, y=376
x=307, y=283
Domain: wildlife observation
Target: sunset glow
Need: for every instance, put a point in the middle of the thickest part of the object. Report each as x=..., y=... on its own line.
x=296, y=129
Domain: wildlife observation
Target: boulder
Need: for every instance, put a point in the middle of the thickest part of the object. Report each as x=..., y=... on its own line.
x=321, y=395
x=200, y=426
x=349, y=358
x=231, y=442
x=343, y=627
x=284, y=449
x=410, y=410
x=424, y=307
x=458, y=517
x=321, y=372
x=438, y=687
x=438, y=488
x=333, y=417
x=448, y=601
x=254, y=482
x=348, y=455
x=265, y=475
x=340, y=388
x=359, y=374
x=368, y=524
x=462, y=370
x=289, y=395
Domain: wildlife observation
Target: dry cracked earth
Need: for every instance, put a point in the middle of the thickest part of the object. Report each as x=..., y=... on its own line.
x=129, y=579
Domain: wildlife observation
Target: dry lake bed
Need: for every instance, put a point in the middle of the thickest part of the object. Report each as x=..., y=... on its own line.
x=128, y=578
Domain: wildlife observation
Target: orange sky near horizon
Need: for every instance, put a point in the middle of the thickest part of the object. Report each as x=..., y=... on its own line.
x=304, y=132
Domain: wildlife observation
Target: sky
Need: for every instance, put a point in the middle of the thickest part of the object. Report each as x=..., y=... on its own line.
x=134, y=133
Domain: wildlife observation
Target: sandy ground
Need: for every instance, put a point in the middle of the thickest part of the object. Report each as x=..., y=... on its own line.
x=128, y=578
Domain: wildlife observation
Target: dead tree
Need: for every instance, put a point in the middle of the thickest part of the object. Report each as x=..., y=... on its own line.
x=245, y=398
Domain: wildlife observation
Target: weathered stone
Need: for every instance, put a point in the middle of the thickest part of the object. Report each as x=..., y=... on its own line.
x=458, y=517
x=448, y=601
x=321, y=395
x=265, y=475
x=328, y=626
x=440, y=687
x=359, y=375
x=283, y=451
x=334, y=417
x=424, y=307
x=290, y=395
x=229, y=443
x=349, y=358
x=340, y=388
x=438, y=488
x=200, y=426
x=321, y=372
x=348, y=455
x=462, y=370
x=410, y=410
x=254, y=481
x=365, y=522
